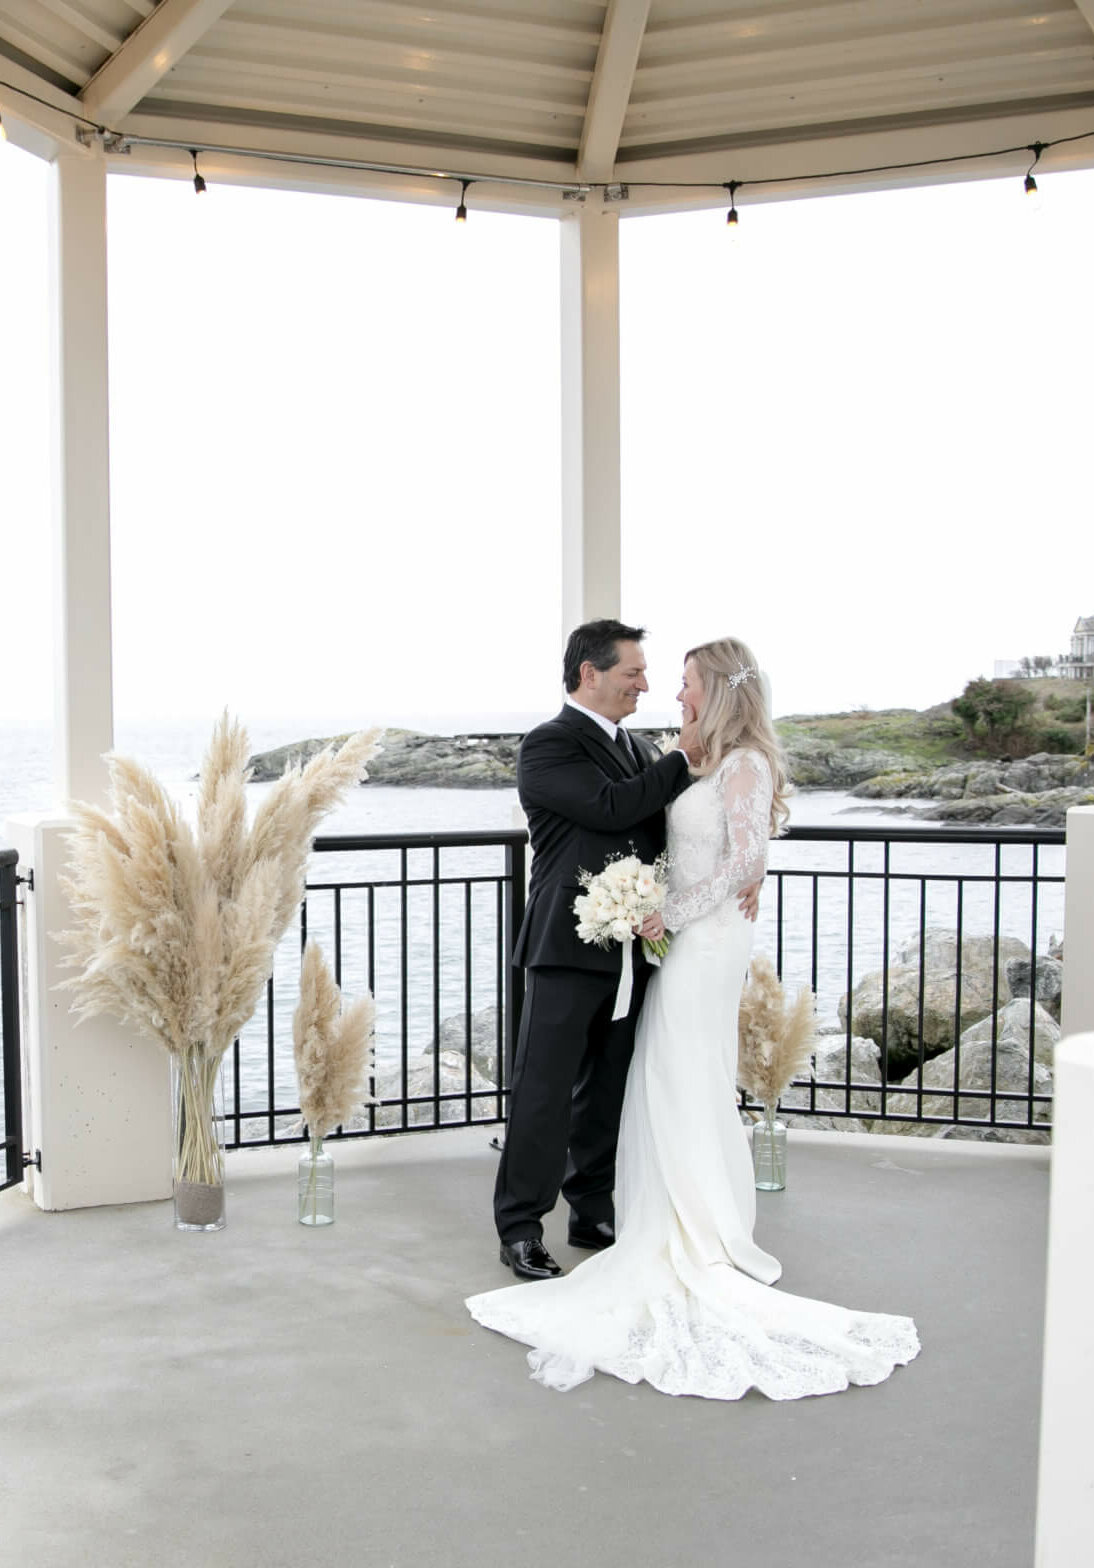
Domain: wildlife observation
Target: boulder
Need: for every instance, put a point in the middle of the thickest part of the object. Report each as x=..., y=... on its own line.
x=1012, y=1030
x=830, y=1068
x=1012, y=1073
x=893, y=786
x=419, y=1081
x=1045, y=975
x=978, y=973
x=484, y=1040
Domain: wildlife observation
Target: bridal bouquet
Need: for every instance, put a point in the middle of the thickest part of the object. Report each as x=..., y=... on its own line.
x=612, y=908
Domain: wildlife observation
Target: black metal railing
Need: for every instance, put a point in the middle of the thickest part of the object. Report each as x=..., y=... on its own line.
x=903, y=935
x=426, y=922
x=12, y=1124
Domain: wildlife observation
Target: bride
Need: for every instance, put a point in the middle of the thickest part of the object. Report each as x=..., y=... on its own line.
x=684, y=1298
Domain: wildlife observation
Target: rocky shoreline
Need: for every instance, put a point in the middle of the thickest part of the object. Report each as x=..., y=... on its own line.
x=1035, y=790
x=489, y=761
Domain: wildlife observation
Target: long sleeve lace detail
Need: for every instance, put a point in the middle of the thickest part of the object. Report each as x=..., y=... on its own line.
x=718, y=837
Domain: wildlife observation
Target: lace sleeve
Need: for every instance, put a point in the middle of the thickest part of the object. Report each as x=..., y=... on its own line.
x=744, y=785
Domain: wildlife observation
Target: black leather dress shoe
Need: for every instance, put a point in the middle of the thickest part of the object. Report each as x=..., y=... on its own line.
x=593, y=1235
x=529, y=1259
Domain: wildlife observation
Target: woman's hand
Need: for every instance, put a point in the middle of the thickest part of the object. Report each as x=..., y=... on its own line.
x=652, y=928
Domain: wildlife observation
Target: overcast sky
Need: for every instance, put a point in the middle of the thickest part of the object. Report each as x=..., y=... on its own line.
x=858, y=435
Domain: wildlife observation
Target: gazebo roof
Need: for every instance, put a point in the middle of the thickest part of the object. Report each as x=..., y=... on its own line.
x=654, y=95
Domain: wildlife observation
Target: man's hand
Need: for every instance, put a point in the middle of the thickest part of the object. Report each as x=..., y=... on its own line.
x=689, y=743
x=652, y=928
x=748, y=900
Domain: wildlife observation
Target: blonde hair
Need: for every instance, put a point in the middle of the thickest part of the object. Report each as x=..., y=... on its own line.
x=736, y=716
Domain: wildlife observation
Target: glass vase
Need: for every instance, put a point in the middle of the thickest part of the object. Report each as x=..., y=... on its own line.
x=315, y=1185
x=197, y=1082
x=769, y=1152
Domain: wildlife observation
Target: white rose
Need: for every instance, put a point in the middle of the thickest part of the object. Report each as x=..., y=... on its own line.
x=621, y=930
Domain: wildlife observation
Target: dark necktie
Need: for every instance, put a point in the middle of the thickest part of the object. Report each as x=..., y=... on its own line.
x=623, y=744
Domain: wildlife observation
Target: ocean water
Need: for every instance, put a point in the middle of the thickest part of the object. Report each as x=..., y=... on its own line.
x=423, y=952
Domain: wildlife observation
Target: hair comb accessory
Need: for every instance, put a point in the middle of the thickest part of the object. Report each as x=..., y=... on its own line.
x=739, y=676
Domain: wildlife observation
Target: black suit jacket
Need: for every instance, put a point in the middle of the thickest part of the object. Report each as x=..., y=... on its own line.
x=585, y=803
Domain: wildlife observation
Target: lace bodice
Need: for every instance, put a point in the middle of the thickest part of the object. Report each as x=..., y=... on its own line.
x=718, y=832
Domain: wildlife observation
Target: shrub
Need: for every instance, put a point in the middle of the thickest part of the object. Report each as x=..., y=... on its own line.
x=1054, y=737
x=1069, y=710
x=995, y=713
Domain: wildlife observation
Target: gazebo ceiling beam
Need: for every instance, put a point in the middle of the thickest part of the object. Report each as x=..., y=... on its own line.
x=150, y=51
x=1086, y=7
x=201, y=126
x=610, y=93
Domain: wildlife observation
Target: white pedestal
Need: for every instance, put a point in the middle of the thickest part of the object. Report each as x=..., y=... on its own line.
x=1065, y=1498
x=99, y=1093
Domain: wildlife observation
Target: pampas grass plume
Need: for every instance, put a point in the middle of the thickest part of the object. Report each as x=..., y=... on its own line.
x=332, y=1047
x=776, y=1035
x=175, y=929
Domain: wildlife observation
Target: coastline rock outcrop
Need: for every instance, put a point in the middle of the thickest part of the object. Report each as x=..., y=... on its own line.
x=488, y=761
x=411, y=758
x=1037, y=790
x=817, y=764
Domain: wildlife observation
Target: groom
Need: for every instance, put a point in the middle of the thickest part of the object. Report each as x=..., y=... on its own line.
x=591, y=791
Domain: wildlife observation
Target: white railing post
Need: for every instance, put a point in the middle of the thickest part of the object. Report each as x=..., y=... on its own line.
x=1077, y=1005
x=1065, y=1494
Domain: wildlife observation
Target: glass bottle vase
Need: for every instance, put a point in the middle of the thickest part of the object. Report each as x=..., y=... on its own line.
x=769, y=1151
x=197, y=1085
x=315, y=1185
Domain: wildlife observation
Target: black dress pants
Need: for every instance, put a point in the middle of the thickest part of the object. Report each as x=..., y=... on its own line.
x=569, y=1074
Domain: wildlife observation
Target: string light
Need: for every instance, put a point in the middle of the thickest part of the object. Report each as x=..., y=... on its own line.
x=114, y=141
x=1036, y=148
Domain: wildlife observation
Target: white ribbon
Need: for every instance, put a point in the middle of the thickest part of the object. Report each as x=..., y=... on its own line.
x=626, y=979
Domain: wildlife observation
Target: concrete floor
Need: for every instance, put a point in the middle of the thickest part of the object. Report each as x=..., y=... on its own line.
x=274, y=1395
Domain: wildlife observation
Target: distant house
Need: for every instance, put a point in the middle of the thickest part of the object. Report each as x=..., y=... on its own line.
x=1078, y=665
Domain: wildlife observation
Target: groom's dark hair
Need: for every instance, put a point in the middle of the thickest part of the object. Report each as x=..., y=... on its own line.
x=595, y=643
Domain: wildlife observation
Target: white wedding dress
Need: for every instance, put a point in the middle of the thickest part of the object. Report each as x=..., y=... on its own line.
x=683, y=1300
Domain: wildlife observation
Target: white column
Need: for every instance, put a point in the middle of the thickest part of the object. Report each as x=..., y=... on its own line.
x=99, y=1100
x=84, y=709
x=1065, y=1495
x=590, y=416
x=1077, y=1009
